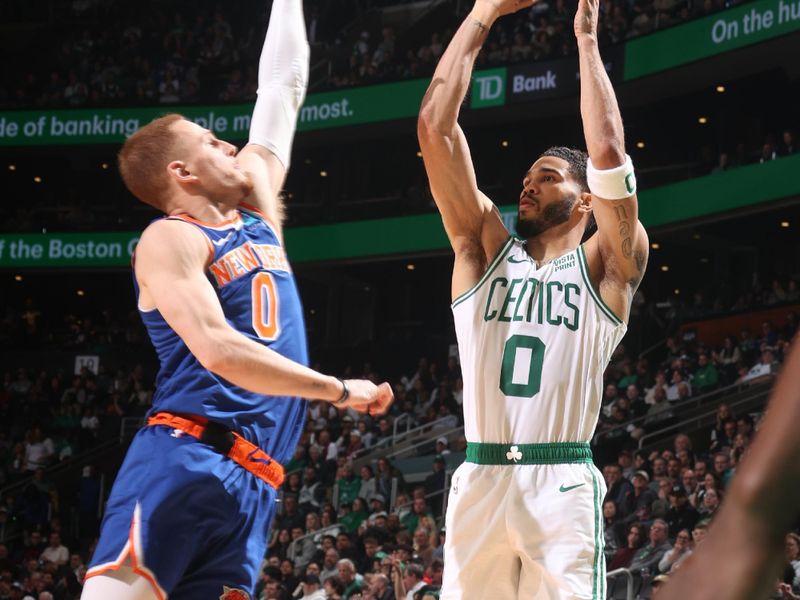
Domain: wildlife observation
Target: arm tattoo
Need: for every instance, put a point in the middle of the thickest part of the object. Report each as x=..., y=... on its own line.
x=483, y=28
x=624, y=231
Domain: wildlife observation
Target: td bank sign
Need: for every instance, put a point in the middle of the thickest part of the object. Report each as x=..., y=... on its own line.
x=489, y=88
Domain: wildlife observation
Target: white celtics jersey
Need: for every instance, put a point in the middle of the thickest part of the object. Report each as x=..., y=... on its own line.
x=534, y=342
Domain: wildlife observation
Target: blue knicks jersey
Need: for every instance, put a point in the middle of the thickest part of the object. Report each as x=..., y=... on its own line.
x=258, y=295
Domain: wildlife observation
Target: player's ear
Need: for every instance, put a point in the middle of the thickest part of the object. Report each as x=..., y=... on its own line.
x=178, y=171
x=585, y=203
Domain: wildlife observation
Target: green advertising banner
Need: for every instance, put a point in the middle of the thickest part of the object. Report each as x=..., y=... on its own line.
x=668, y=204
x=351, y=106
x=67, y=249
x=721, y=32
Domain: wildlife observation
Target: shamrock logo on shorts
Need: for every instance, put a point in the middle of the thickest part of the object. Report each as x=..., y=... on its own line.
x=514, y=454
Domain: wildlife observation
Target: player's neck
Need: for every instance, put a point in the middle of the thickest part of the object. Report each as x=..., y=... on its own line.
x=202, y=209
x=553, y=243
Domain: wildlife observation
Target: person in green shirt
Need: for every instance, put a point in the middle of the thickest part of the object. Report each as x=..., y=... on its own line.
x=629, y=377
x=419, y=510
x=352, y=581
x=356, y=515
x=706, y=377
x=349, y=485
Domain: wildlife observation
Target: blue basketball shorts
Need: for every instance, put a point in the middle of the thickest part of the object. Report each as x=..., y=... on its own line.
x=185, y=517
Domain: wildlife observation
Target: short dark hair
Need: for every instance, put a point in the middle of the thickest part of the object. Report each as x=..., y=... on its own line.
x=577, y=162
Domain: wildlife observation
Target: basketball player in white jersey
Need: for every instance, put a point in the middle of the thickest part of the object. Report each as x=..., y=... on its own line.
x=537, y=318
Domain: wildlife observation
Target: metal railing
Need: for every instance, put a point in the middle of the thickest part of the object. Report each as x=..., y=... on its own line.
x=319, y=532
x=628, y=580
x=756, y=394
x=424, y=442
x=693, y=402
x=64, y=465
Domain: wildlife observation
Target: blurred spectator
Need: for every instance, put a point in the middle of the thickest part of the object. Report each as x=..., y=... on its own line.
x=679, y=552
x=634, y=541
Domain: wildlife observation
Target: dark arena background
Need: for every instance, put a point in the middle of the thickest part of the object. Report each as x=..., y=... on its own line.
x=709, y=92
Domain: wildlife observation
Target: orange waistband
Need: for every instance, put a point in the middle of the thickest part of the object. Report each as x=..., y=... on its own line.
x=242, y=452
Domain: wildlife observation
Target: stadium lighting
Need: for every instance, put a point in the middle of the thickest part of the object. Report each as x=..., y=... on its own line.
x=307, y=161
x=702, y=120
x=17, y=277
x=323, y=173
x=677, y=291
x=721, y=89
x=504, y=143
x=104, y=166
x=419, y=154
x=37, y=179
x=410, y=266
x=665, y=268
x=655, y=245
x=785, y=224
x=12, y=167
x=640, y=145
x=81, y=293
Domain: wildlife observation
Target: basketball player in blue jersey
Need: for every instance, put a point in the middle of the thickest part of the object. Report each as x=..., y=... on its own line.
x=537, y=319
x=191, y=507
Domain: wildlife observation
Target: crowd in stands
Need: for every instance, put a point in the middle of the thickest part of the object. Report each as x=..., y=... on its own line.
x=351, y=527
x=544, y=32
x=115, y=53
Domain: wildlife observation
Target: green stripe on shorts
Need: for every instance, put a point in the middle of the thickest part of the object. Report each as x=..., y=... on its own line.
x=529, y=454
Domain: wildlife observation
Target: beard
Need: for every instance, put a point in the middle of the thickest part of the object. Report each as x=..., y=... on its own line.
x=553, y=214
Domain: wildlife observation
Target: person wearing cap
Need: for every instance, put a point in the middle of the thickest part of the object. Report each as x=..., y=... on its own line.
x=312, y=588
x=639, y=502
x=377, y=503
x=442, y=446
x=681, y=514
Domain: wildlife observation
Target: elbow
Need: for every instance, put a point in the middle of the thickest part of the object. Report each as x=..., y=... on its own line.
x=212, y=357
x=609, y=156
x=425, y=126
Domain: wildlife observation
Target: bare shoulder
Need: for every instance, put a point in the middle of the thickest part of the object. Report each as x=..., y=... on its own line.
x=171, y=243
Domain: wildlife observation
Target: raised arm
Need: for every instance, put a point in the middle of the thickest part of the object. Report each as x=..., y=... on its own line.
x=170, y=269
x=618, y=252
x=471, y=221
x=282, y=82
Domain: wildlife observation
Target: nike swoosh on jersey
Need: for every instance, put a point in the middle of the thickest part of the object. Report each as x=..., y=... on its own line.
x=221, y=241
x=567, y=488
x=511, y=259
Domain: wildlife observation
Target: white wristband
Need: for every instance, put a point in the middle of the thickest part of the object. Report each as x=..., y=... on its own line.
x=612, y=184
